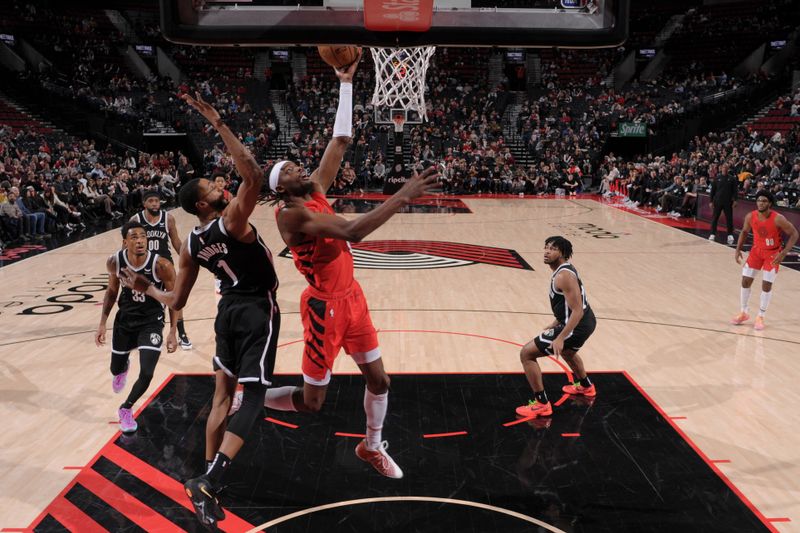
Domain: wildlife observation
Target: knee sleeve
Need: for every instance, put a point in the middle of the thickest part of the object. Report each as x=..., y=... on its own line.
x=119, y=363
x=252, y=407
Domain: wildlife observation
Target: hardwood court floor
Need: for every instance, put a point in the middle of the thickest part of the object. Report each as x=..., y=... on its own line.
x=663, y=299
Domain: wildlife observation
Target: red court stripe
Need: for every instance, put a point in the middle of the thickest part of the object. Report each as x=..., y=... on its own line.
x=73, y=518
x=561, y=400
x=519, y=421
x=570, y=434
x=281, y=422
x=357, y=435
x=139, y=513
x=784, y=519
x=166, y=485
x=437, y=435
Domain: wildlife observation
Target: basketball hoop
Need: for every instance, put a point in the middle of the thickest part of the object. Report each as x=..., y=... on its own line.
x=400, y=78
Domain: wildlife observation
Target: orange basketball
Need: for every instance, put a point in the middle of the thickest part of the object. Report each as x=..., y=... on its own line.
x=339, y=56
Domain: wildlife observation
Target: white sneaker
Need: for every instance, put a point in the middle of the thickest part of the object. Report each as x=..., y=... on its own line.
x=711, y=238
x=731, y=240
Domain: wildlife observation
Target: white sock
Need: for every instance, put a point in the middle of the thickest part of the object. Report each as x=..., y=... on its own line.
x=765, y=298
x=745, y=298
x=375, y=406
x=280, y=399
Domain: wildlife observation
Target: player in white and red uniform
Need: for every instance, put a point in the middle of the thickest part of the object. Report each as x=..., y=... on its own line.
x=766, y=254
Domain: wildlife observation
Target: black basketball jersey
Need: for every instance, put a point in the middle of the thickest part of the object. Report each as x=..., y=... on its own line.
x=558, y=303
x=242, y=268
x=136, y=308
x=157, y=234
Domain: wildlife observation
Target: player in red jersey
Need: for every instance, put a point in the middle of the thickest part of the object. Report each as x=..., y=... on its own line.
x=333, y=308
x=766, y=254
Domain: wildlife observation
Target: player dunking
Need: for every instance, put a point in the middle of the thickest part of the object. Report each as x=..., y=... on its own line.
x=333, y=308
x=139, y=323
x=766, y=254
x=161, y=229
x=573, y=325
x=248, y=318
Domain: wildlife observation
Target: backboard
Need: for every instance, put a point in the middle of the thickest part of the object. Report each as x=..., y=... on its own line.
x=397, y=23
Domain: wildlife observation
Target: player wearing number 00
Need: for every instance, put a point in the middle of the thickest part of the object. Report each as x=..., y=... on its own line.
x=766, y=254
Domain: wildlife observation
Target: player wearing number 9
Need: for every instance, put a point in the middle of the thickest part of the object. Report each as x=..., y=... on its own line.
x=139, y=323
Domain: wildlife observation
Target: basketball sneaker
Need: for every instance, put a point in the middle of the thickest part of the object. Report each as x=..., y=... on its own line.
x=731, y=240
x=740, y=319
x=759, y=323
x=534, y=409
x=186, y=344
x=126, y=422
x=379, y=459
x=578, y=389
x=205, y=502
x=118, y=382
x=711, y=237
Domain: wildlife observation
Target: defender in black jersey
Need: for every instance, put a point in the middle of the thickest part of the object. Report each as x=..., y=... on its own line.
x=248, y=319
x=139, y=323
x=161, y=229
x=573, y=325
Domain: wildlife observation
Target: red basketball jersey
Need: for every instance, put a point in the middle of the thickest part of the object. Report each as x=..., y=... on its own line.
x=766, y=235
x=327, y=263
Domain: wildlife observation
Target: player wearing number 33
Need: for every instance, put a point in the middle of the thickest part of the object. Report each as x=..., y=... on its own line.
x=139, y=323
x=766, y=254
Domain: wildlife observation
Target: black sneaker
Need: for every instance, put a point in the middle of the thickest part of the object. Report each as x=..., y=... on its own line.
x=186, y=344
x=205, y=502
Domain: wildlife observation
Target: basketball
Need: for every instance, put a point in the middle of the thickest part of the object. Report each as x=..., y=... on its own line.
x=339, y=57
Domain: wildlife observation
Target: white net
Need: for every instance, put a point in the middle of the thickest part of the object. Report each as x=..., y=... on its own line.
x=400, y=77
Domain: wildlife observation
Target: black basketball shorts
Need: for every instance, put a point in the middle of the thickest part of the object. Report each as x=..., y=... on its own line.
x=247, y=337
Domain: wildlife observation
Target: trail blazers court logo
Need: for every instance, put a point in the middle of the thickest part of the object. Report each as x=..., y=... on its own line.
x=416, y=255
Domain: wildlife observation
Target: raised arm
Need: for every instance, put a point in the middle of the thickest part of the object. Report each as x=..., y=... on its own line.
x=295, y=221
x=241, y=207
x=342, y=131
x=108, y=300
x=166, y=273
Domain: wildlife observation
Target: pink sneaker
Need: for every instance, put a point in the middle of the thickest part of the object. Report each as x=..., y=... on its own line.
x=740, y=319
x=579, y=390
x=379, y=459
x=759, y=323
x=535, y=409
x=118, y=382
x=126, y=422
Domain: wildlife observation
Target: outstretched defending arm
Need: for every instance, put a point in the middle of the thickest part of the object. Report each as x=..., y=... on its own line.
x=241, y=207
x=342, y=131
x=298, y=220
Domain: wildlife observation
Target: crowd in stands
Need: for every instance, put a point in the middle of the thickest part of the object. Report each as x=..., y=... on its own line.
x=58, y=184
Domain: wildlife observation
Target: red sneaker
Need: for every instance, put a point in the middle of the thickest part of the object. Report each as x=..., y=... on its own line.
x=379, y=459
x=578, y=389
x=759, y=323
x=740, y=319
x=534, y=409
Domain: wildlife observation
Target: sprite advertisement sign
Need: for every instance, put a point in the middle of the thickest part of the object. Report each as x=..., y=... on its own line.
x=632, y=129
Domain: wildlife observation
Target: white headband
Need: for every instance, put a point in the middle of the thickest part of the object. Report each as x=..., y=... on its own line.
x=274, y=174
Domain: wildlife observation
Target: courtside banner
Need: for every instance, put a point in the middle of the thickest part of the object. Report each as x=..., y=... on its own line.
x=398, y=15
